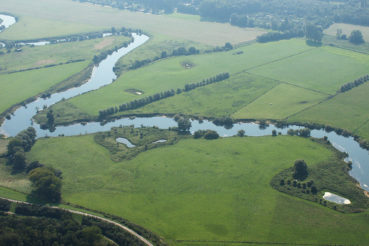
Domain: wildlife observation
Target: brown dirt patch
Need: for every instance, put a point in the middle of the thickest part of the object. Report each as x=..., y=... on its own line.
x=106, y=42
x=45, y=62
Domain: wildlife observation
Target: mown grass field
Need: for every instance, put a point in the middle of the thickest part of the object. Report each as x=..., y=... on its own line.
x=309, y=76
x=94, y=16
x=33, y=26
x=40, y=56
x=322, y=69
x=346, y=110
x=203, y=190
x=279, y=103
x=347, y=29
x=171, y=74
x=17, y=87
x=233, y=94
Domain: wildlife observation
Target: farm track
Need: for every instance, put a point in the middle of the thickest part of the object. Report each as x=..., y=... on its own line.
x=130, y=231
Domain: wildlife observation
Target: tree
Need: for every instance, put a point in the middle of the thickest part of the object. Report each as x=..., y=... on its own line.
x=300, y=171
x=19, y=161
x=241, y=133
x=356, y=37
x=50, y=118
x=211, y=135
x=274, y=133
x=314, y=33
x=46, y=185
x=184, y=125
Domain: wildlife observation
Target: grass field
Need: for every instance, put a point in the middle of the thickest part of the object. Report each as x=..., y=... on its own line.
x=31, y=57
x=347, y=29
x=153, y=48
x=203, y=190
x=239, y=90
x=78, y=16
x=279, y=103
x=32, y=27
x=322, y=69
x=17, y=87
x=17, y=182
x=346, y=110
x=345, y=44
x=171, y=74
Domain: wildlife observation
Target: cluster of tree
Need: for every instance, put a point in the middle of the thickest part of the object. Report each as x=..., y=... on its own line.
x=276, y=36
x=159, y=96
x=356, y=83
x=300, y=170
x=305, y=132
x=207, y=134
x=356, y=37
x=227, y=122
x=19, y=230
x=46, y=183
x=17, y=147
x=314, y=33
x=308, y=187
x=184, y=124
x=5, y=205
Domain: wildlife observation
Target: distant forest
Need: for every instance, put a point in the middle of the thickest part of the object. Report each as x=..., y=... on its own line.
x=279, y=15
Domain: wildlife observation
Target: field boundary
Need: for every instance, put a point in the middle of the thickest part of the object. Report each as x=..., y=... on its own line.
x=254, y=242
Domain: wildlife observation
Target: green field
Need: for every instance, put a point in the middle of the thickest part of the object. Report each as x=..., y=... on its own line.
x=346, y=110
x=279, y=103
x=171, y=74
x=40, y=56
x=202, y=190
x=310, y=82
x=239, y=90
x=347, y=29
x=322, y=69
x=32, y=27
x=17, y=87
x=78, y=15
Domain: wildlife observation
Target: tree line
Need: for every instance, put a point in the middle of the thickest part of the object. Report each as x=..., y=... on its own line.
x=41, y=225
x=46, y=181
x=355, y=83
x=159, y=96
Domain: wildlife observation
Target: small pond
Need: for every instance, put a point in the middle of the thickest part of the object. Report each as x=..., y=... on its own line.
x=336, y=198
x=126, y=142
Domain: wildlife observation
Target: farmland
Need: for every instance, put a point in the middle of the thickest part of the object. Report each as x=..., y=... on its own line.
x=197, y=182
x=189, y=191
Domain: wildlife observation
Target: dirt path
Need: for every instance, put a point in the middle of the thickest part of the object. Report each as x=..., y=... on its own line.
x=142, y=239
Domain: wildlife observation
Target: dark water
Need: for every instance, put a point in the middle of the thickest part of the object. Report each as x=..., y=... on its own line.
x=103, y=75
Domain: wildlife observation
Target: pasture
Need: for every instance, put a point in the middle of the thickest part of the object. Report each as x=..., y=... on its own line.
x=308, y=74
x=17, y=87
x=203, y=190
x=78, y=16
x=40, y=56
x=279, y=103
x=346, y=110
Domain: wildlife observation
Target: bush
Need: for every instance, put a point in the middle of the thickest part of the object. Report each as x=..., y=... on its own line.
x=211, y=135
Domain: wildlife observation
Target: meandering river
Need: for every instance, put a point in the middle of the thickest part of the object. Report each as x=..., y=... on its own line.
x=103, y=74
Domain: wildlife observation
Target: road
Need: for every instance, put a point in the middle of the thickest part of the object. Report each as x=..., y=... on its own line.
x=142, y=239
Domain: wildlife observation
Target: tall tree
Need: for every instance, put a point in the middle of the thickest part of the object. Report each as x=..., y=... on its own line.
x=356, y=37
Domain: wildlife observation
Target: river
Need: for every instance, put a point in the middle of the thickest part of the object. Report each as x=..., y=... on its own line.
x=103, y=74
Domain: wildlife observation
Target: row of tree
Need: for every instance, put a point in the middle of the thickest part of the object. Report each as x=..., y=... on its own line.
x=181, y=51
x=305, y=132
x=98, y=58
x=159, y=96
x=276, y=36
x=356, y=83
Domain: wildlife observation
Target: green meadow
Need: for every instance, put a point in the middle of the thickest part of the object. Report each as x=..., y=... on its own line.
x=82, y=17
x=279, y=103
x=40, y=56
x=17, y=87
x=346, y=110
x=203, y=190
